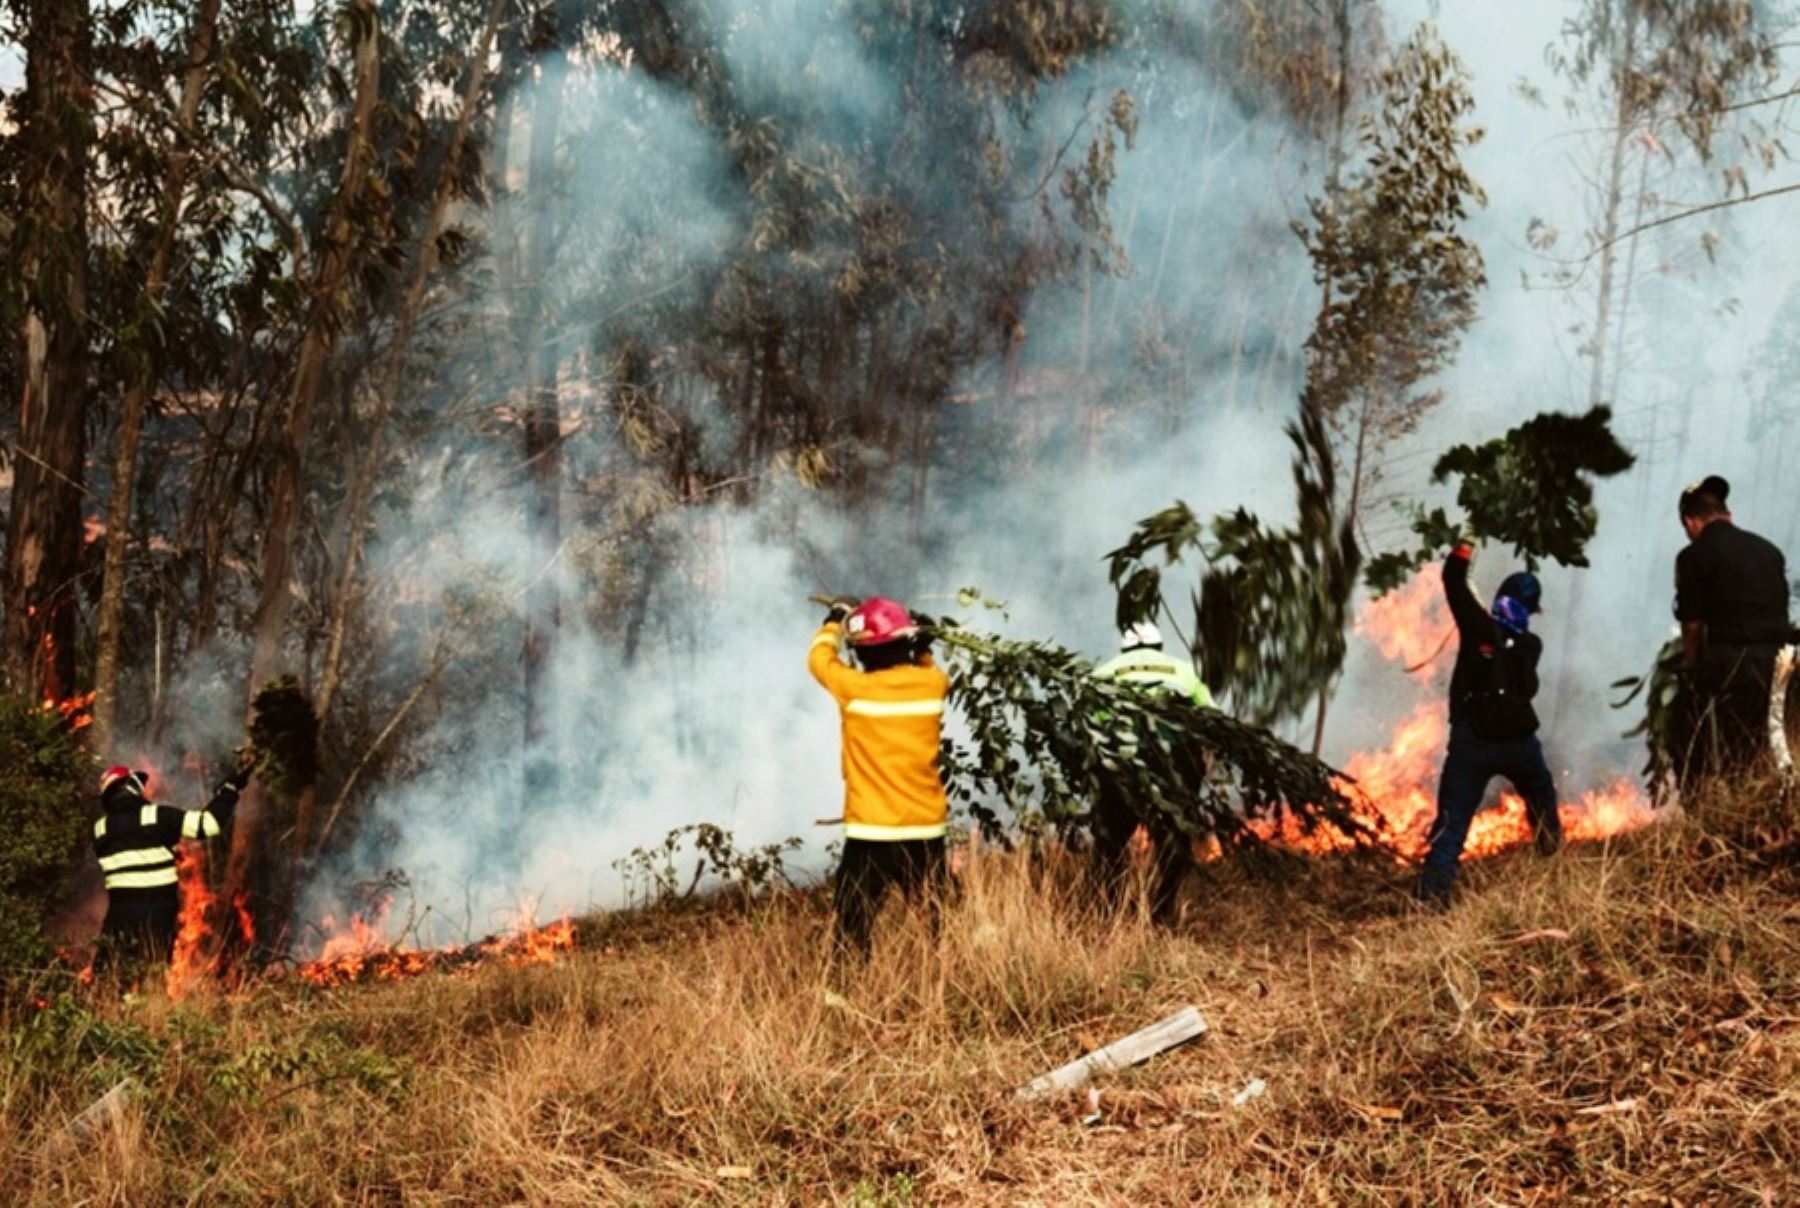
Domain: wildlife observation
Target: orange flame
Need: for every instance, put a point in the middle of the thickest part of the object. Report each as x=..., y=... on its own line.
x=246, y=923
x=1410, y=626
x=360, y=952
x=193, y=960
x=75, y=710
x=1394, y=790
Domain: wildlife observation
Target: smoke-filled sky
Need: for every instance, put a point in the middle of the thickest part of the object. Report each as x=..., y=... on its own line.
x=719, y=721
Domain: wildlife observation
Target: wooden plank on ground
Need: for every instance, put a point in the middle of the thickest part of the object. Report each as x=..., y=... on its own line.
x=1140, y=1046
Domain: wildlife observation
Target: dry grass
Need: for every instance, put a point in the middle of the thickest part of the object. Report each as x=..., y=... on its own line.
x=1607, y=1026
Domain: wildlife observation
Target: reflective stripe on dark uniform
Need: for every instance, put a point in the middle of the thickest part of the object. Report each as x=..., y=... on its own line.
x=135, y=843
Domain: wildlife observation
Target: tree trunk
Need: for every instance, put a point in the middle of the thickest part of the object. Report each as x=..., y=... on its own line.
x=1609, y=219
x=425, y=262
x=542, y=440
x=1358, y=474
x=1333, y=182
x=44, y=528
x=1603, y=319
x=137, y=392
x=333, y=260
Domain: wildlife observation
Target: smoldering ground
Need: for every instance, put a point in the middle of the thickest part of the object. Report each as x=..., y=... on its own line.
x=707, y=713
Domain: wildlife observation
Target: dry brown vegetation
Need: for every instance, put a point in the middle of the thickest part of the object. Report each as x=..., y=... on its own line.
x=1609, y=1026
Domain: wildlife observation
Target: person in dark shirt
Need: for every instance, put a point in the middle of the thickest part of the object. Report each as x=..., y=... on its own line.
x=1731, y=598
x=1493, y=727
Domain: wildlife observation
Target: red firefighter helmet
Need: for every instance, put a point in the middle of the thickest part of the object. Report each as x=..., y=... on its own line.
x=878, y=621
x=118, y=772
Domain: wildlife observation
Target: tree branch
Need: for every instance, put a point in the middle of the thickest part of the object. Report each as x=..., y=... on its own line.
x=1688, y=213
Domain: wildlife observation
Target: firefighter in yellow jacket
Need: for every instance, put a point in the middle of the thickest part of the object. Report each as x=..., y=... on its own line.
x=892, y=706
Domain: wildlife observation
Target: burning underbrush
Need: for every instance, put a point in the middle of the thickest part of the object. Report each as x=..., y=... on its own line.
x=360, y=953
x=350, y=954
x=76, y=711
x=1394, y=788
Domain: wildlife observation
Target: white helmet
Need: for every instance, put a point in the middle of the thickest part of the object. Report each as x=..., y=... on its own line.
x=1143, y=635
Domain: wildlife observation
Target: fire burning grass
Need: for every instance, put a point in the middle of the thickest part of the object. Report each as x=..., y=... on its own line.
x=1395, y=788
x=359, y=953
x=1395, y=791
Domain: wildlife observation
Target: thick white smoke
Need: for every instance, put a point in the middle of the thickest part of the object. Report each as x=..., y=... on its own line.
x=716, y=719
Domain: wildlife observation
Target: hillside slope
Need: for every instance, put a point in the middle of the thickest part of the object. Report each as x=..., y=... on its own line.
x=1610, y=1026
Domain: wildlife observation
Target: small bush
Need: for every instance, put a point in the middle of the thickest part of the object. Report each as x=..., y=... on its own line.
x=43, y=775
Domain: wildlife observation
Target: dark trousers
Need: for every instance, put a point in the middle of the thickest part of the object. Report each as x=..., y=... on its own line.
x=917, y=867
x=137, y=933
x=1723, y=726
x=1469, y=765
x=1114, y=823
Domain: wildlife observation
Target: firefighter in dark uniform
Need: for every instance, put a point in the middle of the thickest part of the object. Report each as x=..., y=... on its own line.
x=135, y=841
x=1731, y=597
x=1493, y=725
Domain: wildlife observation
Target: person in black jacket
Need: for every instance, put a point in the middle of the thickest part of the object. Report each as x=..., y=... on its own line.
x=135, y=841
x=1731, y=597
x=1493, y=727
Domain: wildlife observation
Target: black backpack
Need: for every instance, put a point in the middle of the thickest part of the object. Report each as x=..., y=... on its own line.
x=1501, y=711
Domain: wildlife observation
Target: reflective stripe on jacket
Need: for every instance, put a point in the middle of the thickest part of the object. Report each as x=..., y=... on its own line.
x=1154, y=669
x=135, y=843
x=893, y=722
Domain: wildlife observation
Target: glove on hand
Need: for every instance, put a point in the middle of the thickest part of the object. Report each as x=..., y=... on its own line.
x=840, y=611
x=240, y=779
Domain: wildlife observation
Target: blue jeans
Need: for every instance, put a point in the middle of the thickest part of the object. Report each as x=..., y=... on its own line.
x=1469, y=765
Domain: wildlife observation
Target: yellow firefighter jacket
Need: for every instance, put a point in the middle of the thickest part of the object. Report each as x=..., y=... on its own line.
x=893, y=721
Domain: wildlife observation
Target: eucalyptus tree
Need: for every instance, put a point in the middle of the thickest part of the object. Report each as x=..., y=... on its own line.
x=47, y=276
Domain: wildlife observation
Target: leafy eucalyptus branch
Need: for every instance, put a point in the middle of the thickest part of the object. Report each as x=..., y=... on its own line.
x=1532, y=489
x=1043, y=734
x=1273, y=604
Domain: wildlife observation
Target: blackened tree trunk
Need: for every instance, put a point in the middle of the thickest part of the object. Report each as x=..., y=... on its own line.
x=333, y=259
x=44, y=528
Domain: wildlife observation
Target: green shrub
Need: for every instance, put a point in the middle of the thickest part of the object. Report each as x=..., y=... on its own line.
x=43, y=824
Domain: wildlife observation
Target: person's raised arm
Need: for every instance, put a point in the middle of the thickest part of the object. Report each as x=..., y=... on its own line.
x=822, y=656
x=1470, y=617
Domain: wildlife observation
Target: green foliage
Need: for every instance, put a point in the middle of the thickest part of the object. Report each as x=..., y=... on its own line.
x=652, y=877
x=66, y=1042
x=1044, y=735
x=1400, y=278
x=898, y=1190
x=1273, y=604
x=262, y=1071
x=1661, y=690
x=1400, y=282
x=1532, y=489
x=43, y=791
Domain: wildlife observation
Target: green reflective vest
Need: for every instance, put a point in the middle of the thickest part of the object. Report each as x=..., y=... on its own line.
x=1156, y=671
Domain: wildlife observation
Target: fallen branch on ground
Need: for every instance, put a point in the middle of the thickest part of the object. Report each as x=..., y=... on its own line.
x=1131, y=1050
